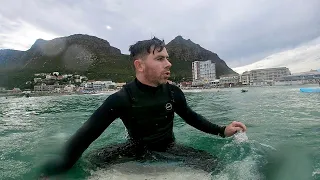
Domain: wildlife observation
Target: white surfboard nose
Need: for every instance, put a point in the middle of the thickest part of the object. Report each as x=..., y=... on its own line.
x=157, y=171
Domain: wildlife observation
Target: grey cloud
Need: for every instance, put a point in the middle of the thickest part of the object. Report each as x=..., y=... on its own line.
x=238, y=31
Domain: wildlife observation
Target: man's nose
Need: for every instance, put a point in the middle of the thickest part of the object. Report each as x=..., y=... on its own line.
x=168, y=63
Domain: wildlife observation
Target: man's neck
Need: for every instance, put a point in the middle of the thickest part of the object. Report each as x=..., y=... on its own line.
x=145, y=82
x=146, y=88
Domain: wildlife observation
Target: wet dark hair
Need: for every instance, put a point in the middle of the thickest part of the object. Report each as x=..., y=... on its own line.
x=142, y=48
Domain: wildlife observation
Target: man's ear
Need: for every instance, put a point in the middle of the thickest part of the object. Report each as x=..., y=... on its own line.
x=139, y=65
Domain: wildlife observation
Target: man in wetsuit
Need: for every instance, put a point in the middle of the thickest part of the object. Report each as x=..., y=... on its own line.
x=146, y=106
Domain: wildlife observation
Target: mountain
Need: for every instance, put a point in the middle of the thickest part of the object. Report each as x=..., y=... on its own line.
x=10, y=59
x=300, y=59
x=95, y=58
x=82, y=54
x=182, y=52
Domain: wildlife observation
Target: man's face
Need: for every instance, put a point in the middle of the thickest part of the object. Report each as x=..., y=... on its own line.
x=156, y=69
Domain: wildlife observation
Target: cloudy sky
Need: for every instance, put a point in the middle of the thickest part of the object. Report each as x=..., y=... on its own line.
x=240, y=32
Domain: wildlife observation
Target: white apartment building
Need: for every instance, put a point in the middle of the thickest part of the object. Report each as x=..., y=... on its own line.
x=260, y=77
x=229, y=80
x=97, y=85
x=44, y=87
x=203, y=71
x=245, y=78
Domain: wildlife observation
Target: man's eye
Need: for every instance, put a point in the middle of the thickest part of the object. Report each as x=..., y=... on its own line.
x=163, y=58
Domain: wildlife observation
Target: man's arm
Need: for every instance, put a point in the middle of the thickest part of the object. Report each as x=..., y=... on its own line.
x=85, y=135
x=192, y=118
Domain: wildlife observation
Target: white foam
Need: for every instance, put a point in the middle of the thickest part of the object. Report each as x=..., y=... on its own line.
x=241, y=137
x=138, y=171
x=60, y=136
x=244, y=169
x=316, y=172
x=268, y=146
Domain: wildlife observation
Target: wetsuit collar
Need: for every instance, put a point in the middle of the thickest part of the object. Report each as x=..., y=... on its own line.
x=146, y=88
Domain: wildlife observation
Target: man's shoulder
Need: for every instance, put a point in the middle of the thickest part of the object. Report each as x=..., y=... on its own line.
x=174, y=88
x=121, y=93
x=178, y=94
x=120, y=96
x=117, y=100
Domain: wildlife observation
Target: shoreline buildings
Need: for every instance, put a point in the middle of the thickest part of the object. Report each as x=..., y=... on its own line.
x=271, y=77
x=310, y=77
x=204, y=75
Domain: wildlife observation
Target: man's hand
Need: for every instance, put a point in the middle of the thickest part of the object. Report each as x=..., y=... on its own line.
x=233, y=128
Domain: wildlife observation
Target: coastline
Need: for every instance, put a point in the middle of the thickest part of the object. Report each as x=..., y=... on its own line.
x=109, y=92
x=39, y=94
x=201, y=90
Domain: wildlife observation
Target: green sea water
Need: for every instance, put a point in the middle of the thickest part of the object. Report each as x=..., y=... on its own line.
x=283, y=132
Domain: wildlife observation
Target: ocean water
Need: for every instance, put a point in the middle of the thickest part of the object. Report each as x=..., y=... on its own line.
x=282, y=141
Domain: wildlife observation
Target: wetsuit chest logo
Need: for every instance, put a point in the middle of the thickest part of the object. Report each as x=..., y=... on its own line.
x=168, y=106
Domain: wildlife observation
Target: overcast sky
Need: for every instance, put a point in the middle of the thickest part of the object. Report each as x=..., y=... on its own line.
x=240, y=32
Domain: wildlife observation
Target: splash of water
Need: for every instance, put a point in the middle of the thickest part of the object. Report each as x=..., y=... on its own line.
x=240, y=137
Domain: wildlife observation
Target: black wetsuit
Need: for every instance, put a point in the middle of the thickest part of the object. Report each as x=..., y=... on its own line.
x=147, y=112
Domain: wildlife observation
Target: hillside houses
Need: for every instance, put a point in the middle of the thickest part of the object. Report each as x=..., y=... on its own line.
x=66, y=83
